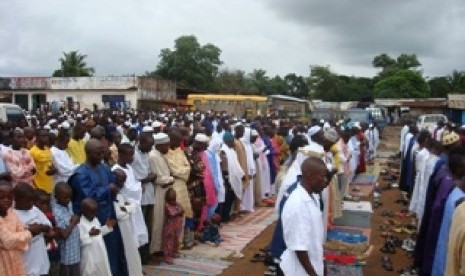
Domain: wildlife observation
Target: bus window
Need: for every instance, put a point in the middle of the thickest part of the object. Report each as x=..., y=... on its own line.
x=14, y=114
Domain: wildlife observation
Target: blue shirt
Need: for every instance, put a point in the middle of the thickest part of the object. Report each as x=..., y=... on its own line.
x=70, y=250
x=439, y=264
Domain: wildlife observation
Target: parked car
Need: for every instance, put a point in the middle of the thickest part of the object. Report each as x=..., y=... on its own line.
x=11, y=113
x=430, y=121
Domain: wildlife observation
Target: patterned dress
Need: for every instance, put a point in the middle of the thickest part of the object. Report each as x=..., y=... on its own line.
x=14, y=241
x=20, y=165
x=172, y=228
x=195, y=185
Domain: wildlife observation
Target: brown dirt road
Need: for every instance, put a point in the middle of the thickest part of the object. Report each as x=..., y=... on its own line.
x=390, y=142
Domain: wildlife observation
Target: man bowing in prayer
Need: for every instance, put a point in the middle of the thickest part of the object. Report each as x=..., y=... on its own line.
x=164, y=180
x=94, y=179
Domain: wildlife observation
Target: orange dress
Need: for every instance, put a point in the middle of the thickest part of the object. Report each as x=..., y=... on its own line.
x=14, y=240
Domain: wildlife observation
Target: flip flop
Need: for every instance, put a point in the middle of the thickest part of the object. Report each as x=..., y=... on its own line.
x=387, y=264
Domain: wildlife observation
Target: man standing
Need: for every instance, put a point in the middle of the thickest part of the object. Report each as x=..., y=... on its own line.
x=180, y=170
x=159, y=167
x=302, y=218
x=42, y=156
x=95, y=180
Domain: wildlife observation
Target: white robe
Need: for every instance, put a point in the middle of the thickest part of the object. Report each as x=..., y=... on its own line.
x=373, y=142
x=94, y=257
x=214, y=148
x=403, y=132
x=35, y=259
x=420, y=166
x=235, y=171
x=247, y=203
x=127, y=233
x=423, y=187
x=354, y=150
x=133, y=190
x=263, y=168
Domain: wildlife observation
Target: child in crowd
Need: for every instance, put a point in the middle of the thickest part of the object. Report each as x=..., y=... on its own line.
x=66, y=221
x=211, y=232
x=14, y=238
x=35, y=258
x=94, y=257
x=42, y=201
x=125, y=209
x=172, y=226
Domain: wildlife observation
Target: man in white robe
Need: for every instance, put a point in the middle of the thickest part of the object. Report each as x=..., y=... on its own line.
x=247, y=203
x=372, y=135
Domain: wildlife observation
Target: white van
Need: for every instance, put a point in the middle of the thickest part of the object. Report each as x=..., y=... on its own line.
x=11, y=113
x=430, y=121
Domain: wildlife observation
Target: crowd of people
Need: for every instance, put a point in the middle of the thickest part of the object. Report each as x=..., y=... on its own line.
x=102, y=192
x=432, y=177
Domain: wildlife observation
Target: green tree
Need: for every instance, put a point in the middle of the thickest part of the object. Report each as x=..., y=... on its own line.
x=296, y=86
x=322, y=83
x=235, y=82
x=390, y=66
x=403, y=84
x=277, y=85
x=73, y=65
x=192, y=65
x=261, y=81
x=440, y=87
x=457, y=81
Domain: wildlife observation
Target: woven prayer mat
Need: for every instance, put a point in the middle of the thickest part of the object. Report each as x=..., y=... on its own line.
x=209, y=260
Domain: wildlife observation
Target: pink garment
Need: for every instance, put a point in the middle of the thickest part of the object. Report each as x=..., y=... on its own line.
x=277, y=152
x=345, y=151
x=208, y=182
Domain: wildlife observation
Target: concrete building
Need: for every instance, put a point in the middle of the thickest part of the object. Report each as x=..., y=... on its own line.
x=86, y=92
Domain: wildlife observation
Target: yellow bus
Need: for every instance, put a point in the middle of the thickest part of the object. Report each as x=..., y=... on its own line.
x=249, y=106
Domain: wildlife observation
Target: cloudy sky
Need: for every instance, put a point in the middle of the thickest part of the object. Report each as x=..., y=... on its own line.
x=279, y=36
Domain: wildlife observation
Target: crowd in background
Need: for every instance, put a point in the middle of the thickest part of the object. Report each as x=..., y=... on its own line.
x=100, y=193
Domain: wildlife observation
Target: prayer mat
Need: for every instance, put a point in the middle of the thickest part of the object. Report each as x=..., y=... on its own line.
x=365, y=179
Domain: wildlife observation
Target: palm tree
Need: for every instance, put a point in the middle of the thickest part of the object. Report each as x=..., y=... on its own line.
x=73, y=65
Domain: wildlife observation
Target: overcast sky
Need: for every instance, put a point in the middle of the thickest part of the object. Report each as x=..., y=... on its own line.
x=279, y=36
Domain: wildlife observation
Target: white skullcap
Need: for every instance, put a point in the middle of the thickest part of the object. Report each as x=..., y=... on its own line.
x=357, y=125
x=65, y=125
x=254, y=133
x=202, y=138
x=326, y=125
x=370, y=125
x=52, y=121
x=147, y=129
x=156, y=124
x=322, y=121
x=161, y=138
x=47, y=127
x=313, y=130
x=79, y=115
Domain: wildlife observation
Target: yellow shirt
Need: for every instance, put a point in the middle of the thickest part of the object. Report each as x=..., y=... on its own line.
x=43, y=161
x=76, y=151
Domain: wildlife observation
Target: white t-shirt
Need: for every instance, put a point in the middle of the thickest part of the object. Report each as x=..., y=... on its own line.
x=35, y=258
x=64, y=165
x=303, y=230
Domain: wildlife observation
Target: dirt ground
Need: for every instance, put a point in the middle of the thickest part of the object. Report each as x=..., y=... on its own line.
x=389, y=142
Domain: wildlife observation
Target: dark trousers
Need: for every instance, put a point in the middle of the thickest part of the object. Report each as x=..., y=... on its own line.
x=147, y=212
x=224, y=209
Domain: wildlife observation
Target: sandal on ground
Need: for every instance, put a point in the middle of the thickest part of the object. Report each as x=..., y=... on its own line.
x=387, y=264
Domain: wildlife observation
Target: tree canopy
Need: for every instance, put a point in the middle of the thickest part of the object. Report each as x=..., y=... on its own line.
x=192, y=65
x=73, y=65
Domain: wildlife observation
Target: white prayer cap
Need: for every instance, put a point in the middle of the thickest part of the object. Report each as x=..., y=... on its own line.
x=47, y=127
x=322, y=121
x=313, y=130
x=331, y=135
x=254, y=133
x=326, y=125
x=52, y=121
x=156, y=124
x=370, y=125
x=28, y=117
x=147, y=129
x=202, y=138
x=161, y=138
x=357, y=125
x=65, y=125
x=79, y=115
